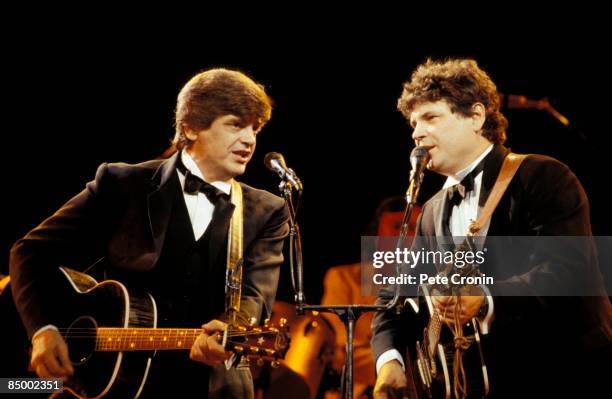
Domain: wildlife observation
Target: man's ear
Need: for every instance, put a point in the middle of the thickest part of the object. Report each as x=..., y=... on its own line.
x=191, y=134
x=479, y=115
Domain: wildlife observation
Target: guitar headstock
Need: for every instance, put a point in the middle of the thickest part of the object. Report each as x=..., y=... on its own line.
x=267, y=343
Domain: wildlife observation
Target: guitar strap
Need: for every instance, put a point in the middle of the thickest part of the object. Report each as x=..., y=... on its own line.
x=234, y=255
x=509, y=168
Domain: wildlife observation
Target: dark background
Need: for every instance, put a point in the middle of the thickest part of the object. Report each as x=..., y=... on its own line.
x=76, y=95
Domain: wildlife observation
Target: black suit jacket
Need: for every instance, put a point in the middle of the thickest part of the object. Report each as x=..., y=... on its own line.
x=122, y=216
x=543, y=199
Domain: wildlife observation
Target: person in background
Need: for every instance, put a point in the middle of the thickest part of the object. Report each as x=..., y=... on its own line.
x=342, y=285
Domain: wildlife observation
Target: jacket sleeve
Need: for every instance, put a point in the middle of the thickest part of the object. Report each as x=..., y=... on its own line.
x=71, y=237
x=555, y=206
x=390, y=329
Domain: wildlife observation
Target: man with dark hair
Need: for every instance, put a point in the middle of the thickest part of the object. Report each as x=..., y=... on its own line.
x=453, y=108
x=162, y=226
x=215, y=93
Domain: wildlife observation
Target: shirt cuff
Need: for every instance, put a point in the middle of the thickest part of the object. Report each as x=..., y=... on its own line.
x=230, y=362
x=44, y=328
x=386, y=357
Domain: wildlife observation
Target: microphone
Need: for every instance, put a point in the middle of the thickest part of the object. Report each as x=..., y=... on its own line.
x=515, y=101
x=419, y=157
x=276, y=163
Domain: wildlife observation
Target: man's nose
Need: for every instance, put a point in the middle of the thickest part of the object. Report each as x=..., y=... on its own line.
x=247, y=135
x=419, y=133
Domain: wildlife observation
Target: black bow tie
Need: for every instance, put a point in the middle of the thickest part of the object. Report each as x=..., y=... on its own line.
x=193, y=184
x=457, y=193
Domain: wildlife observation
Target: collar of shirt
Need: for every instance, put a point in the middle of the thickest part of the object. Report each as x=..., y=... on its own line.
x=190, y=164
x=456, y=178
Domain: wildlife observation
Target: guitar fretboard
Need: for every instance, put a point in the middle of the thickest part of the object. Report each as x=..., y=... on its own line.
x=139, y=339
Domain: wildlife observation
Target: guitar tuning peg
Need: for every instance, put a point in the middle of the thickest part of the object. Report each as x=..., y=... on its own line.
x=260, y=362
x=282, y=322
x=252, y=321
x=275, y=364
x=269, y=352
x=266, y=322
x=315, y=313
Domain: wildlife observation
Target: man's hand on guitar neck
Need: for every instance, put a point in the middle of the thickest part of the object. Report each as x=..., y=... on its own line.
x=50, y=355
x=391, y=382
x=447, y=305
x=207, y=348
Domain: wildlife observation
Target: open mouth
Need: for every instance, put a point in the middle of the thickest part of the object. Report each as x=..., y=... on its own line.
x=243, y=155
x=428, y=148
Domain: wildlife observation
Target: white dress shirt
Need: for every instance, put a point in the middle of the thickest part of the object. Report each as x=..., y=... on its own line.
x=198, y=205
x=467, y=210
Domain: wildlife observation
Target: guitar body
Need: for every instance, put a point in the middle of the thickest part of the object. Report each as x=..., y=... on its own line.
x=432, y=361
x=112, y=336
x=107, y=304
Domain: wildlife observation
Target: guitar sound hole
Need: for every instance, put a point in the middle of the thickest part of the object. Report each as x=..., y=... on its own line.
x=81, y=339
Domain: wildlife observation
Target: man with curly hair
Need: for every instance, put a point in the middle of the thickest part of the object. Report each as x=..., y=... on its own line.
x=537, y=345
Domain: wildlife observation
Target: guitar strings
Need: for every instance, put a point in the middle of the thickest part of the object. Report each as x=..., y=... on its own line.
x=93, y=332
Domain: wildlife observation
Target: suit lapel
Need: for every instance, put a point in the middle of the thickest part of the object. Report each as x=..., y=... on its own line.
x=492, y=166
x=438, y=213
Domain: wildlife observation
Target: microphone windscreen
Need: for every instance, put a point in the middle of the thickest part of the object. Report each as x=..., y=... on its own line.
x=418, y=155
x=271, y=156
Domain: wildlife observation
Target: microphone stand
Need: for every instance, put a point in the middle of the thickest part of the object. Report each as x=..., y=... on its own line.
x=350, y=313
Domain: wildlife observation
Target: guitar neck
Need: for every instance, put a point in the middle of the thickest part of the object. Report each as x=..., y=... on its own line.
x=145, y=339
